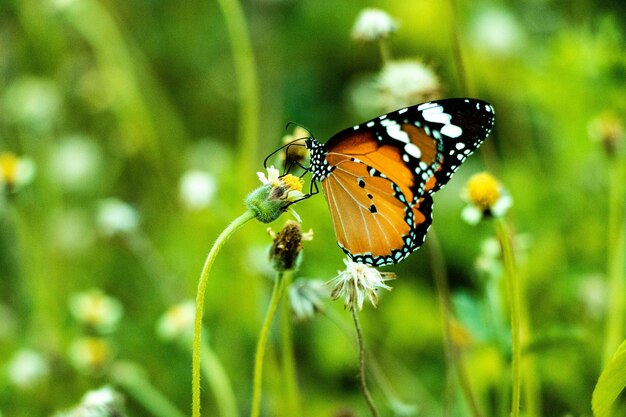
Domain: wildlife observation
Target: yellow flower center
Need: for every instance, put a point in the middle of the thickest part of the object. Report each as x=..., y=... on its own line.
x=293, y=183
x=483, y=190
x=8, y=167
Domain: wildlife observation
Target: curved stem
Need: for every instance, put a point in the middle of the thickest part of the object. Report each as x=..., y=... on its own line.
x=514, y=305
x=197, y=330
x=260, y=347
x=359, y=338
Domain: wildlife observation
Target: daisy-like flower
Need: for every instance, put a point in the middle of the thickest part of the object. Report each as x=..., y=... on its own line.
x=177, y=322
x=75, y=164
x=357, y=282
x=269, y=201
x=102, y=402
x=15, y=171
x=287, y=246
x=96, y=310
x=90, y=354
x=197, y=189
x=116, y=217
x=307, y=297
x=406, y=82
x=372, y=25
x=486, y=198
x=27, y=369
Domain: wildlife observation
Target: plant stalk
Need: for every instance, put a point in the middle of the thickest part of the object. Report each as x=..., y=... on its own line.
x=197, y=331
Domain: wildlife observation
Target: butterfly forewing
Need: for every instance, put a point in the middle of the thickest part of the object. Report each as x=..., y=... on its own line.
x=378, y=176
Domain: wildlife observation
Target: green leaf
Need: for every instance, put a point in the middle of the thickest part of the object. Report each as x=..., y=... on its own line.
x=611, y=382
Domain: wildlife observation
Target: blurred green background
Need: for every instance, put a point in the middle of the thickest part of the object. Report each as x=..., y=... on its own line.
x=124, y=100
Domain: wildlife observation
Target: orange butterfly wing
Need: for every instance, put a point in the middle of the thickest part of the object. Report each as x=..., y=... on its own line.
x=372, y=220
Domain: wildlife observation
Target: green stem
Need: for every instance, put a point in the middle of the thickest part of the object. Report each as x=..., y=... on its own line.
x=456, y=48
x=133, y=380
x=385, y=51
x=197, y=331
x=291, y=379
x=247, y=84
x=454, y=357
x=616, y=249
x=260, y=347
x=362, y=380
x=219, y=381
x=513, y=285
x=393, y=399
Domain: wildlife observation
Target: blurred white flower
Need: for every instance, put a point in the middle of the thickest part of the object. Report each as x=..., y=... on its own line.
x=405, y=83
x=373, y=24
x=116, y=217
x=33, y=102
x=75, y=163
x=307, y=297
x=497, y=33
x=90, y=354
x=197, y=189
x=96, y=310
x=15, y=171
x=27, y=368
x=104, y=396
x=177, y=322
x=593, y=293
x=103, y=402
x=357, y=282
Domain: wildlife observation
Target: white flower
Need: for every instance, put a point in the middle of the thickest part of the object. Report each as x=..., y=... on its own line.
x=34, y=102
x=116, y=217
x=102, y=397
x=287, y=187
x=27, y=368
x=307, y=297
x=177, y=322
x=372, y=25
x=197, y=189
x=75, y=163
x=15, y=172
x=357, y=282
x=272, y=178
x=497, y=32
x=103, y=402
x=406, y=82
x=96, y=310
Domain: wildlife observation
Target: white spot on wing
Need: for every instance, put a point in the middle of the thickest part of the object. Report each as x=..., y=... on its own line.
x=412, y=150
x=425, y=106
x=452, y=131
x=395, y=132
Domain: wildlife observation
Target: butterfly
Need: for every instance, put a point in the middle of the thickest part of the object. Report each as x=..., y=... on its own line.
x=378, y=177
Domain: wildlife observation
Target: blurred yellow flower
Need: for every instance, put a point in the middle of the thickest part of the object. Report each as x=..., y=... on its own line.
x=15, y=171
x=486, y=198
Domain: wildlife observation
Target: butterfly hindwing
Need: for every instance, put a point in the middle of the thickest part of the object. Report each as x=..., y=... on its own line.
x=372, y=220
